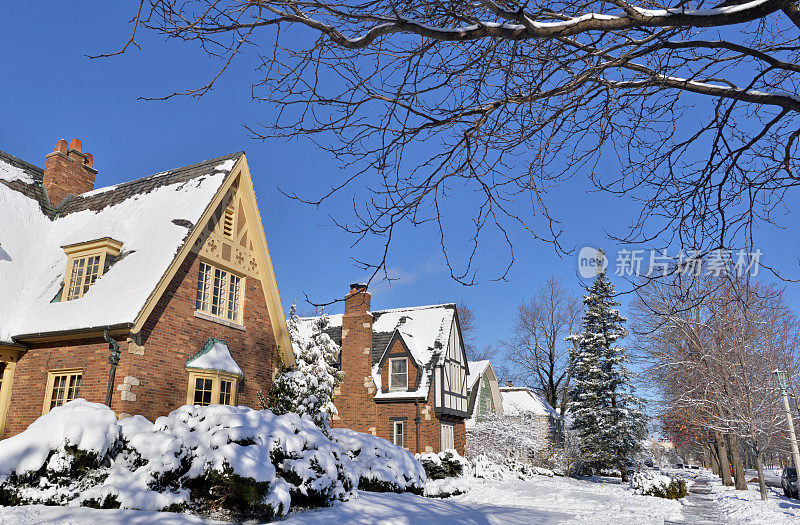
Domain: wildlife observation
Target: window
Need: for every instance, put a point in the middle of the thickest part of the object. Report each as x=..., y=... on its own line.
x=400, y=433
x=398, y=374
x=202, y=391
x=225, y=392
x=219, y=293
x=209, y=387
x=86, y=262
x=62, y=386
x=448, y=436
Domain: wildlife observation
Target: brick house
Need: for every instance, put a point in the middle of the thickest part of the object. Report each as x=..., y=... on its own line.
x=173, y=270
x=484, y=390
x=405, y=373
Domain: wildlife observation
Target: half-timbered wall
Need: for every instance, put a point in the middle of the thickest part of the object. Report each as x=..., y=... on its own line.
x=451, y=377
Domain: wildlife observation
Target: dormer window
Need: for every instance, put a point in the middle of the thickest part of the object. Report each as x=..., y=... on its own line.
x=86, y=262
x=398, y=373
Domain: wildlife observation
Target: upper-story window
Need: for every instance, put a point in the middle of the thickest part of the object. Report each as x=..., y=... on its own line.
x=86, y=262
x=398, y=374
x=219, y=293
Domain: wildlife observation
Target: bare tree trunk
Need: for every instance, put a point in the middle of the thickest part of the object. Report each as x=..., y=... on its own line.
x=712, y=454
x=722, y=455
x=736, y=462
x=762, y=487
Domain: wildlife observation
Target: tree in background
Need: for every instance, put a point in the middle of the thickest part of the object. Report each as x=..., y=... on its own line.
x=537, y=346
x=307, y=388
x=469, y=324
x=711, y=345
x=606, y=415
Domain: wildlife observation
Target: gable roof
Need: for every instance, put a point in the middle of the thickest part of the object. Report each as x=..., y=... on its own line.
x=151, y=216
x=522, y=400
x=476, y=370
x=216, y=356
x=425, y=330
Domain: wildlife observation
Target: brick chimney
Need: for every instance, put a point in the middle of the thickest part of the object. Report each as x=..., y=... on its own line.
x=68, y=170
x=356, y=350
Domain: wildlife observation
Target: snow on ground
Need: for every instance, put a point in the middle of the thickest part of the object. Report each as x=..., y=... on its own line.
x=745, y=506
x=540, y=500
x=602, y=500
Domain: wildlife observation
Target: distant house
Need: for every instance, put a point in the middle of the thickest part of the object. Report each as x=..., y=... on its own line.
x=171, y=270
x=522, y=402
x=405, y=373
x=484, y=391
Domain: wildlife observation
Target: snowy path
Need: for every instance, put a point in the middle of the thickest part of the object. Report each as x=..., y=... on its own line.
x=700, y=506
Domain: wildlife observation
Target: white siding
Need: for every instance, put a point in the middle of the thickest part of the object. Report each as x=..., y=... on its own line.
x=455, y=374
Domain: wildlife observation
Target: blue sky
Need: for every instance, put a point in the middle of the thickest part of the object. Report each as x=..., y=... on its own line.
x=50, y=89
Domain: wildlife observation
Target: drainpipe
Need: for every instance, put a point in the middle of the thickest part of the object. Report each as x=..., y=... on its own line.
x=416, y=421
x=113, y=359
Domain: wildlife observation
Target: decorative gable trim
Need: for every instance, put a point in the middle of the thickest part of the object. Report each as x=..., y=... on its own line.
x=239, y=174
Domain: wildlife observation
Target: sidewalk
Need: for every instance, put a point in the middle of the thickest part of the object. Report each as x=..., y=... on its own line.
x=700, y=506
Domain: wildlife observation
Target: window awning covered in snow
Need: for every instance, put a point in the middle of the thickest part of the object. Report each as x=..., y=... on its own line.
x=215, y=356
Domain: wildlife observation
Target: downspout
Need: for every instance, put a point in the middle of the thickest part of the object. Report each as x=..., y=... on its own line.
x=113, y=359
x=416, y=421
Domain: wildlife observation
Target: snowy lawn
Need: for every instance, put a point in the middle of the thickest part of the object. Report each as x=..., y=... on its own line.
x=541, y=500
x=745, y=506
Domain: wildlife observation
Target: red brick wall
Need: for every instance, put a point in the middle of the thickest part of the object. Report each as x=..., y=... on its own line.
x=171, y=335
x=30, y=377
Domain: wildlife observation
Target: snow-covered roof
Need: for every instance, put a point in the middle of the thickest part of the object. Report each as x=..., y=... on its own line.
x=424, y=329
x=476, y=369
x=215, y=356
x=520, y=400
x=151, y=217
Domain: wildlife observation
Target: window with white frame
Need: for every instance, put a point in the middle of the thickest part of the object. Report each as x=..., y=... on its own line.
x=400, y=433
x=219, y=293
x=398, y=373
x=448, y=436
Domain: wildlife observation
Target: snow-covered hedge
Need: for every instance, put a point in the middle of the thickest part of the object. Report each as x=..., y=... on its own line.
x=379, y=465
x=445, y=464
x=247, y=462
x=651, y=483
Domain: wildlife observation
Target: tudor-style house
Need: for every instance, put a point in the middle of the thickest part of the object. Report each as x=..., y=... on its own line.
x=172, y=271
x=405, y=373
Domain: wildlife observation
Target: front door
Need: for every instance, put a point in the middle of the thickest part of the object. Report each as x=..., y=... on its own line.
x=448, y=436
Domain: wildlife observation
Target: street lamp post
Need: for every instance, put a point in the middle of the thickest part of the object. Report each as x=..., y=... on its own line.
x=781, y=376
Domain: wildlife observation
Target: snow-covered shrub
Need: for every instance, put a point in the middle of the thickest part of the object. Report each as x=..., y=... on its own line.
x=445, y=464
x=378, y=465
x=485, y=468
x=651, y=483
x=446, y=487
x=498, y=437
x=307, y=388
x=244, y=461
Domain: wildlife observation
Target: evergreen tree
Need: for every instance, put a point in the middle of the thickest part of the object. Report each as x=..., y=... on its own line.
x=607, y=416
x=307, y=387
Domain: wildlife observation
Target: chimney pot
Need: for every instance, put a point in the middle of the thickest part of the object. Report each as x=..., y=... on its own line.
x=61, y=146
x=67, y=171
